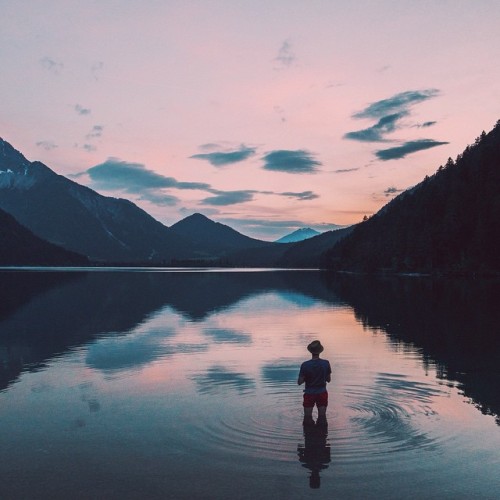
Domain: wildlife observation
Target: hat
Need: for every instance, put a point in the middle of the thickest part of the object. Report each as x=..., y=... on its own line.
x=315, y=347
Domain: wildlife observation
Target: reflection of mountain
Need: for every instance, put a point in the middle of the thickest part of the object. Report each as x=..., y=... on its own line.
x=46, y=314
x=454, y=322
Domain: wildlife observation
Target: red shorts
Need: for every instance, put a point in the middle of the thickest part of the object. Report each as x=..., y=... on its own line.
x=320, y=399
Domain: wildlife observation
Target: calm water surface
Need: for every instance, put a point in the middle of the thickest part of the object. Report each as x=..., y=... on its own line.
x=182, y=384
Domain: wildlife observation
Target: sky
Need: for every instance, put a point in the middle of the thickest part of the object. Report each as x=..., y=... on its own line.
x=268, y=116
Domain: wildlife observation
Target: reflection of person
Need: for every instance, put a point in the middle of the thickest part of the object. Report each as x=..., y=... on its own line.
x=315, y=454
x=315, y=372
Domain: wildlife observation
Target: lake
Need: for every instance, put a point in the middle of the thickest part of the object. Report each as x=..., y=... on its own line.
x=183, y=384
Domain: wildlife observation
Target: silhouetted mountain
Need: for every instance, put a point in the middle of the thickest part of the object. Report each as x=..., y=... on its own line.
x=214, y=237
x=450, y=222
x=309, y=253
x=79, y=219
x=20, y=247
x=301, y=234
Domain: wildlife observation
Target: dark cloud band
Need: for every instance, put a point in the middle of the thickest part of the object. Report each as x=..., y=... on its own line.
x=406, y=149
x=293, y=162
x=221, y=158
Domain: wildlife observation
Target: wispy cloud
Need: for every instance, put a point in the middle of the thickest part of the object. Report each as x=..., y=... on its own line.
x=81, y=110
x=89, y=148
x=115, y=174
x=304, y=195
x=95, y=132
x=223, y=198
x=407, y=148
x=345, y=170
x=376, y=133
x=47, y=145
x=391, y=191
x=286, y=57
x=294, y=162
x=222, y=158
x=55, y=67
x=96, y=69
x=396, y=103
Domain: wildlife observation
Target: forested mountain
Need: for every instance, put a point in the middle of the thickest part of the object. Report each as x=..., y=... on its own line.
x=77, y=218
x=450, y=222
x=19, y=246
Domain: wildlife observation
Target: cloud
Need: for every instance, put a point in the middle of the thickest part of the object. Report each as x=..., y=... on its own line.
x=293, y=162
x=95, y=132
x=47, y=145
x=304, y=195
x=396, y=103
x=345, y=170
x=375, y=133
x=89, y=148
x=81, y=110
x=221, y=158
x=407, y=148
x=134, y=178
x=229, y=198
x=426, y=124
x=286, y=56
x=55, y=67
x=96, y=69
x=390, y=191
x=160, y=199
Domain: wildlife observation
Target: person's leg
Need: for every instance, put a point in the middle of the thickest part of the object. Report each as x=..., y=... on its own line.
x=308, y=409
x=322, y=405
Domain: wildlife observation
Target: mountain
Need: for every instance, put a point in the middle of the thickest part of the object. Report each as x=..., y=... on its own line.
x=299, y=235
x=77, y=218
x=448, y=223
x=309, y=253
x=215, y=238
x=20, y=247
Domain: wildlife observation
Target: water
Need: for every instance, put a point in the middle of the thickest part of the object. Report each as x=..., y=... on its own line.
x=160, y=384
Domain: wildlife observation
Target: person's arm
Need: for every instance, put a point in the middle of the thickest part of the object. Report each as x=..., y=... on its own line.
x=301, y=378
x=329, y=374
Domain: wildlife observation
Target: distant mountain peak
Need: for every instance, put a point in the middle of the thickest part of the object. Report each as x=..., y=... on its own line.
x=301, y=234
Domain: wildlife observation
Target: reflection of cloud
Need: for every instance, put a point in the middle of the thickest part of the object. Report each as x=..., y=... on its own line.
x=396, y=103
x=226, y=335
x=294, y=162
x=280, y=372
x=229, y=198
x=376, y=132
x=221, y=158
x=119, y=353
x=407, y=148
x=127, y=352
x=47, y=145
x=218, y=378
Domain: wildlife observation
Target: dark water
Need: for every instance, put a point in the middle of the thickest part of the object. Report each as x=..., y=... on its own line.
x=150, y=384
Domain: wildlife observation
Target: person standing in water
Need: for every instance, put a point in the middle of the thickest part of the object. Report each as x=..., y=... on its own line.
x=315, y=372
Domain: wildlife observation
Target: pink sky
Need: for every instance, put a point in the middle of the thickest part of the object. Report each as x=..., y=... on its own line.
x=137, y=88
